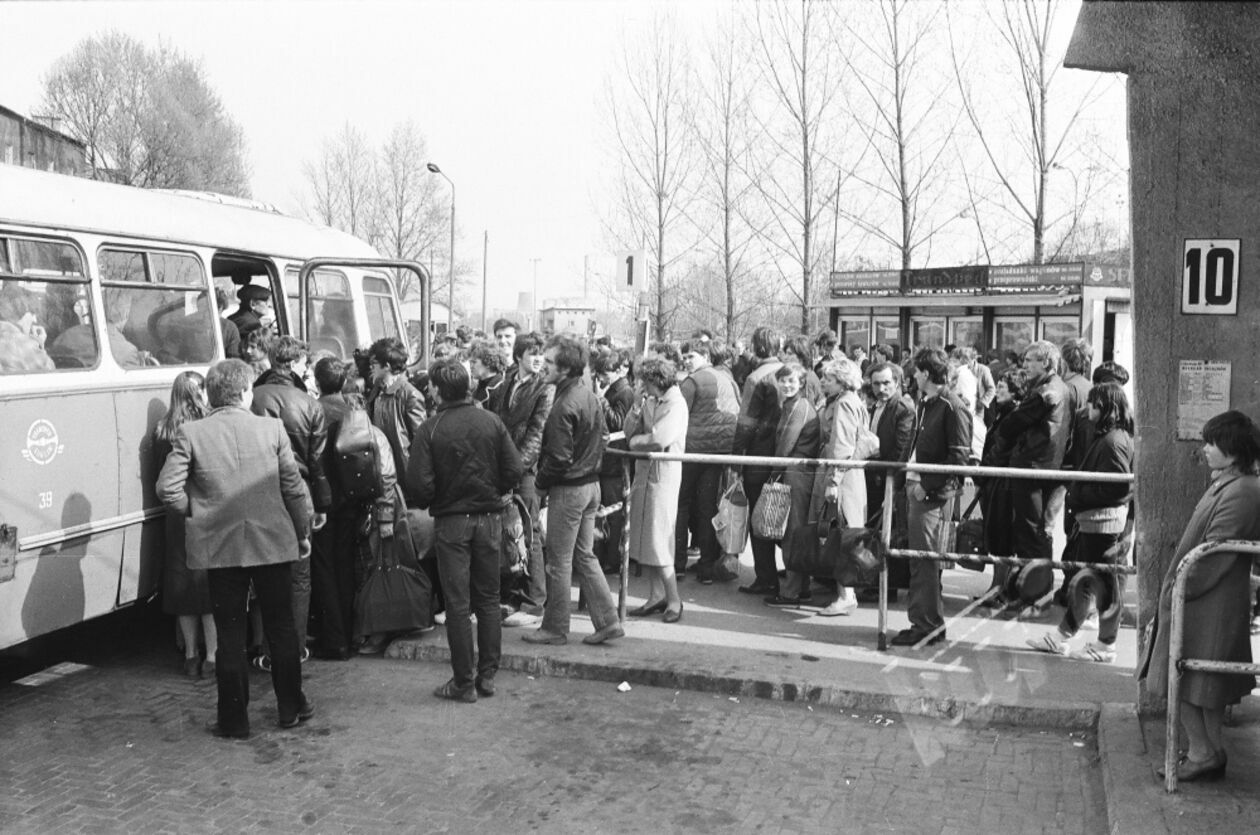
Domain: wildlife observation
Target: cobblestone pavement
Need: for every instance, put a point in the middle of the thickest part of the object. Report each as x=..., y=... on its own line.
x=119, y=745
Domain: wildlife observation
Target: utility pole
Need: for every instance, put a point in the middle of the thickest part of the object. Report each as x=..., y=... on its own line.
x=533, y=324
x=485, y=255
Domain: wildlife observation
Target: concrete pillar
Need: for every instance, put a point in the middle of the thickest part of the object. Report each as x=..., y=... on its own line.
x=1194, y=139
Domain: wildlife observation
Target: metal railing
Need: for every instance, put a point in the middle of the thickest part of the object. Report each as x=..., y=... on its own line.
x=1177, y=664
x=886, y=521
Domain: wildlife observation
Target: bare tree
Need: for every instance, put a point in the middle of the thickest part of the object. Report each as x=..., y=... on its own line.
x=411, y=220
x=795, y=178
x=909, y=130
x=651, y=115
x=149, y=118
x=1022, y=148
x=724, y=288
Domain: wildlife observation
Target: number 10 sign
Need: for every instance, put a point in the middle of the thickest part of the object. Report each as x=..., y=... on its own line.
x=1209, y=276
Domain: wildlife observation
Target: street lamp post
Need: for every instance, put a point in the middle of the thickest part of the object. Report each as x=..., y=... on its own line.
x=450, y=290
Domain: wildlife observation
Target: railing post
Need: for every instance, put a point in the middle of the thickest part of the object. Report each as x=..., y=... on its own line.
x=623, y=542
x=886, y=526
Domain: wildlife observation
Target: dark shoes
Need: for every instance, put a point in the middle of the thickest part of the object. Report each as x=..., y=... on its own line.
x=1188, y=770
x=645, y=610
x=221, y=733
x=608, y=633
x=192, y=667
x=484, y=686
x=759, y=589
x=782, y=602
x=305, y=712
x=452, y=693
x=672, y=616
x=541, y=636
x=342, y=654
x=913, y=637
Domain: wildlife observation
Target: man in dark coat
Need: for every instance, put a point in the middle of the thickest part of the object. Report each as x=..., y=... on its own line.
x=892, y=420
x=524, y=407
x=461, y=468
x=255, y=310
x=280, y=392
x=943, y=437
x=573, y=446
x=234, y=477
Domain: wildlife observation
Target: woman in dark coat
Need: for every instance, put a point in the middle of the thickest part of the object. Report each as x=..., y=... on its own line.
x=1218, y=596
x=185, y=591
x=995, y=493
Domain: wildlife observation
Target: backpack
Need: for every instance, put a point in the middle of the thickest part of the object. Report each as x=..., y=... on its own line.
x=357, y=459
x=514, y=553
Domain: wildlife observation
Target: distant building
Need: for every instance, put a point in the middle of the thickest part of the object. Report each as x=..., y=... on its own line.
x=30, y=144
x=575, y=317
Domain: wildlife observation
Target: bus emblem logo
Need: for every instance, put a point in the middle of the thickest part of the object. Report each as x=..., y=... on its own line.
x=42, y=443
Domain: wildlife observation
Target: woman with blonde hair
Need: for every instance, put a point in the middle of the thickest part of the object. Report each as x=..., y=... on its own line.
x=657, y=423
x=842, y=420
x=185, y=591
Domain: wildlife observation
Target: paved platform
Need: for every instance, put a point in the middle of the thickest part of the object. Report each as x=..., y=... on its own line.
x=733, y=644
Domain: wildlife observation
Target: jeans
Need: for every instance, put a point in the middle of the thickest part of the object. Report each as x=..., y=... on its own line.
x=767, y=570
x=697, y=505
x=1092, y=547
x=468, y=547
x=332, y=561
x=926, y=608
x=229, y=591
x=570, y=536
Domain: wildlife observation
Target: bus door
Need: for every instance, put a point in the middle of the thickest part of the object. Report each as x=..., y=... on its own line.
x=377, y=316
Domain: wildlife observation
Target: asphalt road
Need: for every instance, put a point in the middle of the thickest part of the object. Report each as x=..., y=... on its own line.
x=111, y=738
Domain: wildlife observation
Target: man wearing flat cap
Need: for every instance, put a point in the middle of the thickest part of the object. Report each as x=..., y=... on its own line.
x=255, y=310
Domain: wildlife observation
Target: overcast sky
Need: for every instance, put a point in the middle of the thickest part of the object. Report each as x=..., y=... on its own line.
x=507, y=94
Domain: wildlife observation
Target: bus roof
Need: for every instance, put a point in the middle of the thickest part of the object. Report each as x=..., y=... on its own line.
x=37, y=198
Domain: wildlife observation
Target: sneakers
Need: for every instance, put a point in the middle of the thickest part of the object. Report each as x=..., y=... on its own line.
x=1051, y=642
x=1091, y=622
x=452, y=693
x=839, y=606
x=521, y=619
x=1097, y=652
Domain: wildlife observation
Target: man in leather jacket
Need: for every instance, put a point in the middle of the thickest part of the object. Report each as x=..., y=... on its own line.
x=280, y=392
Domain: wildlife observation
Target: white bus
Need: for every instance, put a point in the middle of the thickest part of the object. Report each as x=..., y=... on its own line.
x=107, y=293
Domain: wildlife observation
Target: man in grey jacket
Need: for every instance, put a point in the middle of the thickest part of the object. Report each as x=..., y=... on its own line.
x=232, y=475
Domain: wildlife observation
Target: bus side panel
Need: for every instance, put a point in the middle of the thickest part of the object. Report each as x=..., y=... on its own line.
x=58, y=470
x=137, y=413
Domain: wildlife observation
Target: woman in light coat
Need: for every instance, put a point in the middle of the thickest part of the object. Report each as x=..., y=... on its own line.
x=1218, y=596
x=657, y=423
x=842, y=418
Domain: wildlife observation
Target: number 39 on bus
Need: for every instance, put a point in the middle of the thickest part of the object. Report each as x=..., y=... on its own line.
x=107, y=293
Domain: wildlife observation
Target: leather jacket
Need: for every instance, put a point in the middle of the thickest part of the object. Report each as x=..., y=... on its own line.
x=574, y=437
x=283, y=395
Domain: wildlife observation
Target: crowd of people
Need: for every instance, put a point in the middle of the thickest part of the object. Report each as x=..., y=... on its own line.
x=514, y=414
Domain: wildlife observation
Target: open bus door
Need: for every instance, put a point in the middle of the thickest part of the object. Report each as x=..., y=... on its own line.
x=384, y=264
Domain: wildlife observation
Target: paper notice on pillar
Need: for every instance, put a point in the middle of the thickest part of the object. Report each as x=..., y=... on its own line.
x=1202, y=393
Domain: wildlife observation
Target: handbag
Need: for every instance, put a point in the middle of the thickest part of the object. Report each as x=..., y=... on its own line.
x=770, y=516
x=857, y=556
x=731, y=522
x=514, y=548
x=867, y=446
x=805, y=554
x=968, y=537
x=395, y=594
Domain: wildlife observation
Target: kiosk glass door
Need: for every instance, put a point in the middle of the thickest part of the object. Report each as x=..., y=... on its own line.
x=967, y=333
x=1012, y=334
x=927, y=333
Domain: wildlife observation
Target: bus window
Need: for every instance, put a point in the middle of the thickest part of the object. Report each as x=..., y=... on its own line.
x=330, y=323
x=157, y=308
x=379, y=300
x=42, y=289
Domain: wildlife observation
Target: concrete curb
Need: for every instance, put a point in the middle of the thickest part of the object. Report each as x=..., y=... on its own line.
x=1126, y=773
x=1057, y=714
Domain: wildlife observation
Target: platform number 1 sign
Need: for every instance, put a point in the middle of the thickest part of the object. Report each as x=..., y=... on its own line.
x=1209, y=276
x=632, y=271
